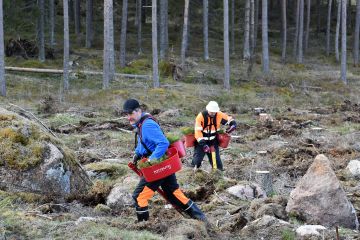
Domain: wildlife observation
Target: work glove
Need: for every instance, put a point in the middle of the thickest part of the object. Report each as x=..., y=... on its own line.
x=206, y=148
x=136, y=158
x=230, y=129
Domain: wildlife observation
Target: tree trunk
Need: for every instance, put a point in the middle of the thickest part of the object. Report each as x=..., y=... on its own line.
x=205, y=29
x=256, y=23
x=232, y=27
x=265, y=41
x=246, y=50
x=226, y=46
x=307, y=31
x=356, y=34
x=318, y=17
x=2, y=62
x=52, y=22
x=89, y=23
x=297, y=22
x=338, y=31
x=156, y=82
x=77, y=19
x=348, y=15
x=185, y=32
x=123, y=33
x=163, y=25
x=41, y=26
x=112, y=42
x=252, y=29
x=166, y=34
x=301, y=32
x=139, y=25
x=343, y=41
x=284, y=31
x=108, y=9
x=252, y=37
x=66, y=44
x=264, y=179
x=328, y=28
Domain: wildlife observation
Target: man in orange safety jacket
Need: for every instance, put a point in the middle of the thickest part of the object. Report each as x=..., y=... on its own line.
x=207, y=125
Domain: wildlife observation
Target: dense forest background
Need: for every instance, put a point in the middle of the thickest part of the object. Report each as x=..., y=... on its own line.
x=286, y=70
x=236, y=30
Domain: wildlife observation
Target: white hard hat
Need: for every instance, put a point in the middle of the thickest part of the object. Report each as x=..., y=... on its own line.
x=212, y=107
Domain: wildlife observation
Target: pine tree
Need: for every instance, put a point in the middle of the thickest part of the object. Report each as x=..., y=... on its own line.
x=139, y=25
x=343, y=40
x=226, y=46
x=156, y=82
x=265, y=41
x=66, y=44
x=284, y=31
x=246, y=49
x=356, y=34
x=328, y=28
x=206, y=29
x=41, y=27
x=89, y=23
x=184, y=42
x=52, y=22
x=2, y=62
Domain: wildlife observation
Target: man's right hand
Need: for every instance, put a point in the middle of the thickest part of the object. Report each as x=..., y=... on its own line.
x=206, y=148
x=136, y=158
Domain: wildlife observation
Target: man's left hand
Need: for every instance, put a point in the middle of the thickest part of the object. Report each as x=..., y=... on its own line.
x=230, y=129
x=136, y=158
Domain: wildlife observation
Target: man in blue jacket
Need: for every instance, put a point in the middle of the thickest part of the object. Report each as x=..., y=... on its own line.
x=152, y=143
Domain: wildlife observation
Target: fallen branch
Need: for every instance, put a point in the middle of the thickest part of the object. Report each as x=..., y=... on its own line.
x=229, y=203
x=38, y=120
x=59, y=71
x=124, y=130
x=36, y=213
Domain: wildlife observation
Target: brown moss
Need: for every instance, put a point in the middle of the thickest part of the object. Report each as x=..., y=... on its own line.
x=69, y=156
x=166, y=68
x=6, y=117
x=13, y=135
x=97, y=194
x=29, y=197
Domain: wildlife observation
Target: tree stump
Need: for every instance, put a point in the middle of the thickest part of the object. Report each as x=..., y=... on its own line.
x=264, y=179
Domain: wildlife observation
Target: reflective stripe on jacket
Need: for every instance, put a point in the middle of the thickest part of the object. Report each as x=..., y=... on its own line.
x=209, y=132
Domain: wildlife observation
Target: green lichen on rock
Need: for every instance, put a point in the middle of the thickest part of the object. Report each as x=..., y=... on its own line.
x=23, y=144
x=19, y=147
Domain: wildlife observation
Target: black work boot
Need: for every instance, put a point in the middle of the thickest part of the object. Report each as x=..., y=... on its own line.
x=194, y=211
x=142, y=213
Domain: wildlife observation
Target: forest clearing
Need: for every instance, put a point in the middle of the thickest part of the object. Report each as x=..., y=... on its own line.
x=291, y=170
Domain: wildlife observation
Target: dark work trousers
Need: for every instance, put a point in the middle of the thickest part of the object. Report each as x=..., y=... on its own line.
x=199, y=156
x=144, y=191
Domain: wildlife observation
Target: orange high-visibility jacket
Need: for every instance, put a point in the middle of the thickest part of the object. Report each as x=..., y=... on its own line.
x=209, y=132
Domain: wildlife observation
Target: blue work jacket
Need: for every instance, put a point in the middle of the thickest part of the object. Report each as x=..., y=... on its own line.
x=153, y=138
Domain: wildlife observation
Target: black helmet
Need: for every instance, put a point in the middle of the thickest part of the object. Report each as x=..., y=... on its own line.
x=130, y=105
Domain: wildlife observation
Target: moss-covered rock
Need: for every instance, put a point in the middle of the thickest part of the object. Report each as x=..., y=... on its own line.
x=112, y=170
x=33, y=161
